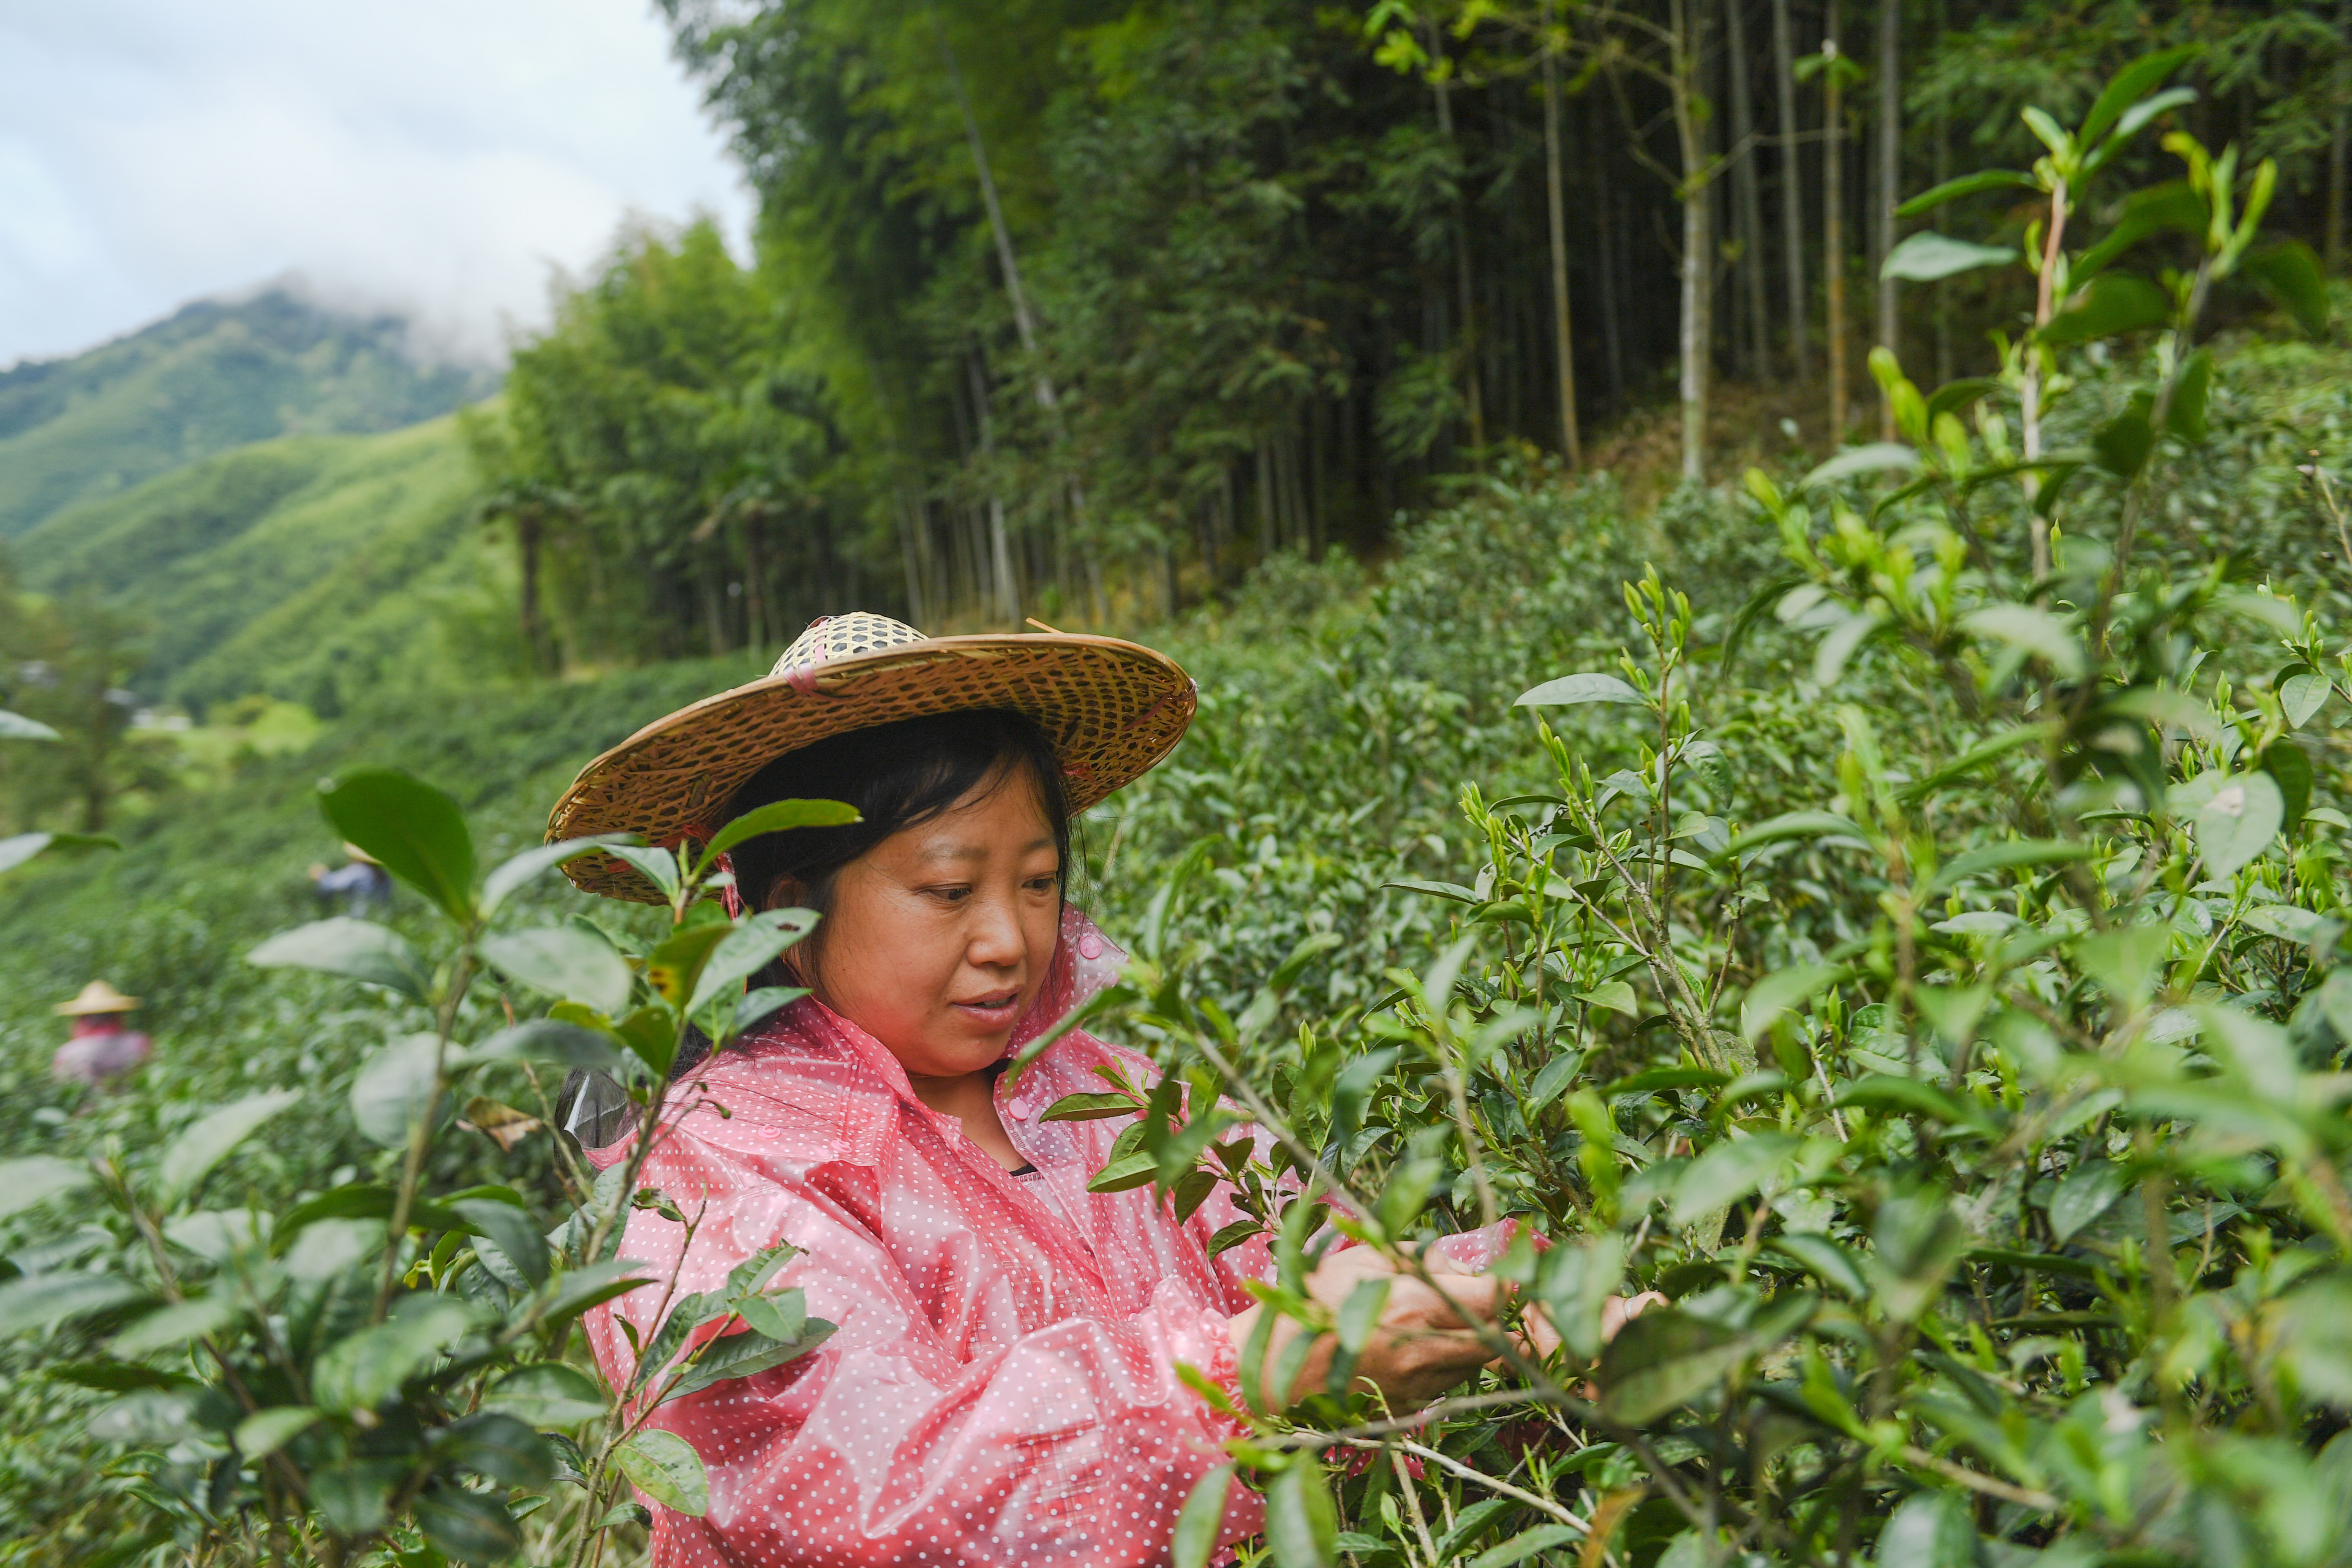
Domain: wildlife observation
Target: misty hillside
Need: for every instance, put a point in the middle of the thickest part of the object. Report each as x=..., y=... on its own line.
x=309, y=567
x=212, y=378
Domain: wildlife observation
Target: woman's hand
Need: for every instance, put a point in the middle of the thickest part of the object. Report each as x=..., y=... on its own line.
x=1422, y=1346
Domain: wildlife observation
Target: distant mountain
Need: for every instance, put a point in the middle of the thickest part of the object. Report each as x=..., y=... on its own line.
x=309, y=567
x=210, y=378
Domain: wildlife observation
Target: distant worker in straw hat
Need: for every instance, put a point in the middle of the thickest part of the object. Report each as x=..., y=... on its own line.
x=362, y=882
x=1007, y=1381
x=103, y=1046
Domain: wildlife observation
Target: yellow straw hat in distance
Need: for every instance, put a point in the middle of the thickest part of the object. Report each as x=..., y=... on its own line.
x=97, y=999
x=1112, y=710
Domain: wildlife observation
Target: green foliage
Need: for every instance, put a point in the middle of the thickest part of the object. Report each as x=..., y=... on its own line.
x=1100, y=301
x=664, y=468
x=66, y=665
x=319, y=1374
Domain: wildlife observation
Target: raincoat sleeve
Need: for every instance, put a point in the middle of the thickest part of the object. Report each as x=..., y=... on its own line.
x=892, y=1443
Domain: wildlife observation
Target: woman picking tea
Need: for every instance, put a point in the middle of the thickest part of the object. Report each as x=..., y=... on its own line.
x=1002, y=1387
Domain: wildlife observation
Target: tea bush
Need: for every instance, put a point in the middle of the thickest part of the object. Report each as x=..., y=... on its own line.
x=1927, y=978
x=1899, y=918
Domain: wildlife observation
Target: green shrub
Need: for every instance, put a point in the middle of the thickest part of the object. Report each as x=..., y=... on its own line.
x=1936, y=995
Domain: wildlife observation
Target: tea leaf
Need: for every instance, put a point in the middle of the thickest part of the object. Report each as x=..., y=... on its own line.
x=193, y=1155
x=666, y=1469
x=355, y=949
x=415, y=831
x=564, y=963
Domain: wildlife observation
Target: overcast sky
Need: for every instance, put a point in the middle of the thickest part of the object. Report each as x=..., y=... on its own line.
x=435, y=157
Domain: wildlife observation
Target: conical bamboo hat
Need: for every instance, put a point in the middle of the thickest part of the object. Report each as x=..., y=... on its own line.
x=1112, y=709
x=96, y=997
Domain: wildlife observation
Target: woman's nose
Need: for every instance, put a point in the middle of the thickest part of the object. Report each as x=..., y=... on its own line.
x=996, y=939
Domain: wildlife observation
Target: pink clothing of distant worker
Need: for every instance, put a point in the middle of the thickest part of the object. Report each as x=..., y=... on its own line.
x=99, y=1050
x=1002, y=1387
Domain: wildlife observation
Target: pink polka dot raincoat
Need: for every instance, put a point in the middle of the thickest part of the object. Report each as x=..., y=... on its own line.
x=1002, y=1387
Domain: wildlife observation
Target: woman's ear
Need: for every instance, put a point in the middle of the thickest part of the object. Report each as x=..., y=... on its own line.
x=795, y=965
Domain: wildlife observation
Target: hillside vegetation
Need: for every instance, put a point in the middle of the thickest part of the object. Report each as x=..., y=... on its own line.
x=211, y=377
x=307, y=568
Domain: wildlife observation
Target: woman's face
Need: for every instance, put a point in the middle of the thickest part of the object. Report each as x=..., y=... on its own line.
x=940, y=935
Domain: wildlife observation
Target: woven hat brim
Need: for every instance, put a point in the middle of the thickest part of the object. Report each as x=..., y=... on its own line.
x=96, y=1001
x=1112, y=710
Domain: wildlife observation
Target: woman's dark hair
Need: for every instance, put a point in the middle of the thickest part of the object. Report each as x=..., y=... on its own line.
x=898, y=776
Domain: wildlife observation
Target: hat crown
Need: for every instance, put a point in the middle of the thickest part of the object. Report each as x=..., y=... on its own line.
x=832, y=637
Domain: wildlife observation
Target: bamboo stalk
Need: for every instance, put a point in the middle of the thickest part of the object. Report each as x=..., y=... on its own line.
x=1570, y=445
x=1833, y=223
x=1792, y=192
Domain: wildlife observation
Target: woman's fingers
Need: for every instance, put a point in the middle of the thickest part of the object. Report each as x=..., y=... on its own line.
x=1618, y=1311
x=1433, y=1331
x=1537, y=1332
x=1461, y=1298
x=1429, y=1338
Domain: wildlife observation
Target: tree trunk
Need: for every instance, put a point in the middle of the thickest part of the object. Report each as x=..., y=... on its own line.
x=1744, y=188
x=1294, y=485
x=1005, y=590
x=1316, y=489
x=2337, y=142
x=1228, y=514
x=1942, y=288
x=1792, y=192
x=1612, y=329
x=827, y=590
x=755, y=596
x=1466, y=330
x=1562, y=343
x=1833, y=222
x=910, y=548
x=1266, y=540
x=1890, y=188
x=2336, y=167
x=1023, y=321
x=1697, y=333
x=527, y=548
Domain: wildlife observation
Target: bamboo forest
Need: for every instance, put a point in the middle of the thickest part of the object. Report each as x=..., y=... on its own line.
x=1069, y=305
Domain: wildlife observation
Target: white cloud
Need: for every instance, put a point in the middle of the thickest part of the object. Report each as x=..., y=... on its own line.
x=435, y=157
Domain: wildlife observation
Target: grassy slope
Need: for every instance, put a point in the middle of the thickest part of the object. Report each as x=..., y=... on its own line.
x=309, y=567
x=210, y=378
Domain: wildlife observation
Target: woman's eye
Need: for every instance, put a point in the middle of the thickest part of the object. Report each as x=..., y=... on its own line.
x=1042, y=884
x=954, y=895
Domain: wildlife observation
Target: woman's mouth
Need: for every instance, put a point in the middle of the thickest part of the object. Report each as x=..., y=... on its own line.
x=994, y=1011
